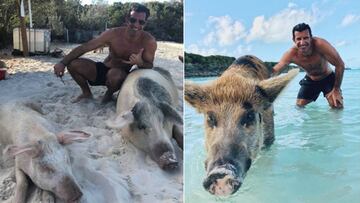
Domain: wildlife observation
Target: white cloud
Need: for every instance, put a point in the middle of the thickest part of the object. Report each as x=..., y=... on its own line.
x=350, y=19
x=206, y=51
x=292, y=5
x=225, y=30
x=341, y=43
x=242, y=50
x=209, y=38
x=278, y=27
x=195, y=49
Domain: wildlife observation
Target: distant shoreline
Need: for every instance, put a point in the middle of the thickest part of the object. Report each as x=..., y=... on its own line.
x=212, y=66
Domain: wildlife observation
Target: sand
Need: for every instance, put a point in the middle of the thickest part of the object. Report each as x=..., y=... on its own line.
x=107, y=167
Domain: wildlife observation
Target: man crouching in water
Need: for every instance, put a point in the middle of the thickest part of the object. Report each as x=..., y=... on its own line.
x=128, y=45
x=313, y=54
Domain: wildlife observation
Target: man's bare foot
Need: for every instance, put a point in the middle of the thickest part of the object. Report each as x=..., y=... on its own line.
x=82, y=96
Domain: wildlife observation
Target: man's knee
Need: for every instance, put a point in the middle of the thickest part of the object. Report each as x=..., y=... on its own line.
x=115, y=79
x=83, y=67
x=302, y=102
x=74, y=65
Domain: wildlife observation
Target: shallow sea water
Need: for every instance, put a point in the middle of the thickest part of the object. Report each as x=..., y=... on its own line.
x=314, y=159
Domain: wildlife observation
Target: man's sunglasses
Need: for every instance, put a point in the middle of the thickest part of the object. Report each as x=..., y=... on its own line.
x=133, y=20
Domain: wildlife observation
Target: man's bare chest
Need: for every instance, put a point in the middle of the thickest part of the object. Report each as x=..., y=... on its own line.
x=313, y=63
x=123, y=49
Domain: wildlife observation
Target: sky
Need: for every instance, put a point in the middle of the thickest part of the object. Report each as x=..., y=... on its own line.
x=264, y=28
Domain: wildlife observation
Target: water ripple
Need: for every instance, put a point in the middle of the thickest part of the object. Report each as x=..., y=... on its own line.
x=315, y=156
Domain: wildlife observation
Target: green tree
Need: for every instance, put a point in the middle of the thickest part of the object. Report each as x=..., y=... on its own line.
x=117, y=14
x=9, y=19
x=165, y=22
x=94, y=17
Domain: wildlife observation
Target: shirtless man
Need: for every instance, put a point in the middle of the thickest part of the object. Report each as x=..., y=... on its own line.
x=128, y=45
x=313, y=54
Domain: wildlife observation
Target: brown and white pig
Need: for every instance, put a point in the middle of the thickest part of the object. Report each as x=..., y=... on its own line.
x=238, y=120
x=39, y=153
x=146, y=114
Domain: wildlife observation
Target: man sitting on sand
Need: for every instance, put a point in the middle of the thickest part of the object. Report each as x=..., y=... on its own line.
x=313, y=55
x=128, y=45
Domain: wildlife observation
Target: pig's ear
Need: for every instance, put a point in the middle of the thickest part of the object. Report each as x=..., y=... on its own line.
x=269, y=89
x=120, y=120
x=69, y=137
x=13, y=150
x=196, y=95
x=170, y=113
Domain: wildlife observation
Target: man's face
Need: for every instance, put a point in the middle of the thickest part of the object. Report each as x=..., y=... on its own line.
x=137, y=20
x=302, y=41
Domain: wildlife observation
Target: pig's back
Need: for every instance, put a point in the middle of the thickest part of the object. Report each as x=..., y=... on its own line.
x=139, y=82
x=19, y=124
x=251, y=67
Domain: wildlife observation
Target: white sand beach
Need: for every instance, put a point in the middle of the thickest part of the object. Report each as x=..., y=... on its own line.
x=107, y=167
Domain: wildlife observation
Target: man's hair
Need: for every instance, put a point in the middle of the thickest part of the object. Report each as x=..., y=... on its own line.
x=301, y=27
x=140, y=8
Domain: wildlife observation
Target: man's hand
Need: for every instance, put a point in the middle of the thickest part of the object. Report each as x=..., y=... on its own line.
x=136, y=59
x=59, y=69
x=335, y=99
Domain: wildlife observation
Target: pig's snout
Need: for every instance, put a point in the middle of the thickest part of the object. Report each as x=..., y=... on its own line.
x=69, y=190
x=168, y=161
x=76, y=198
x=222, y=180
x=76, y=194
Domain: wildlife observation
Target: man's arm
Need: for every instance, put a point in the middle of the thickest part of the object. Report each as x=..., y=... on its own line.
x=145, y=58
x=330, y=54
x=149, y=54
x=59, y=68
x=86, y=47
x=284, y=61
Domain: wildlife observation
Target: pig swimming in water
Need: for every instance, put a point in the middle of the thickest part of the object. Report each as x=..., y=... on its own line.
x=146, y=114
x=39, y=154
x=238, y=120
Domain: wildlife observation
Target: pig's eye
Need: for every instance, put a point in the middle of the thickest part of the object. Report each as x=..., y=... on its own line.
x=248, y=119
x=47, y=169
x=141, y=126
x=211, y=119
x=138, y=126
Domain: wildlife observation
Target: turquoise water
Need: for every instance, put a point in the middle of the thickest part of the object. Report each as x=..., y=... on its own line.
x=314, y=159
